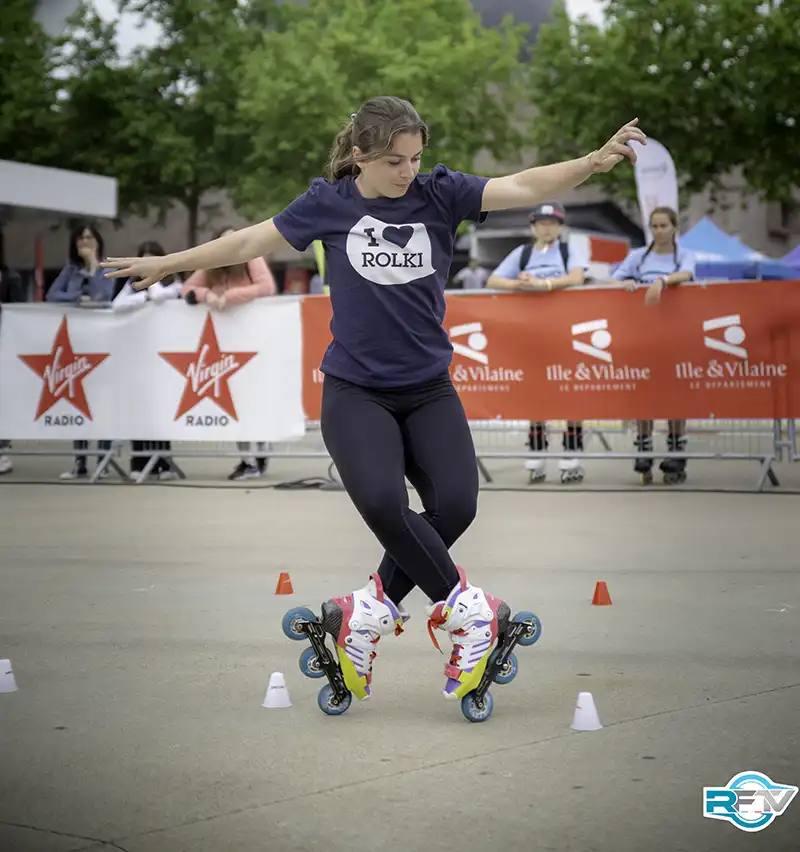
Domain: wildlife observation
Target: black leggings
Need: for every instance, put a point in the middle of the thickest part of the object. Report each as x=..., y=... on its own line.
x=376, y=438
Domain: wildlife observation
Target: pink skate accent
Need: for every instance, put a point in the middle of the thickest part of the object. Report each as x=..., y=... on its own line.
x=462, y=578
x=379, y=595
x=436, y=620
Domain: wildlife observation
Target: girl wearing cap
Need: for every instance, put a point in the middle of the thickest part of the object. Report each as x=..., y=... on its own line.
x=657, y=266
x=548, y=263
x=389, y=407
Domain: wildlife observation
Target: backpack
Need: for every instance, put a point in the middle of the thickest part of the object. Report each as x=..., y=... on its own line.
x=528, y=250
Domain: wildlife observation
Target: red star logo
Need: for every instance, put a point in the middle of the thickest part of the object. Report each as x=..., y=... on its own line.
x=63, y=372
x=207, y=371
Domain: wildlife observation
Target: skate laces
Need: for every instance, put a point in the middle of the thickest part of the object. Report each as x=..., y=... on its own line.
x=436, y=619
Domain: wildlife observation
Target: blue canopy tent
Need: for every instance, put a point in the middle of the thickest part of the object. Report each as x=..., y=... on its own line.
x=722, y=256
x=793, y=258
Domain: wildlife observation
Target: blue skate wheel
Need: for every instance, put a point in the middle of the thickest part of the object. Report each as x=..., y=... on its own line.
x=509, y=671
x=325, y=702
x=309, y=664
x=292, y=620
x=475, y=712
x=533, y=638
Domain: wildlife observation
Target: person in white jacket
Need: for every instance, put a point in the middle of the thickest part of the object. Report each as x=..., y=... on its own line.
x=127, y=299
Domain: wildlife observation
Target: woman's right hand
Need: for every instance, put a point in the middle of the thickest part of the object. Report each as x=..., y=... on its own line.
x=147, y=269
x=629, y=284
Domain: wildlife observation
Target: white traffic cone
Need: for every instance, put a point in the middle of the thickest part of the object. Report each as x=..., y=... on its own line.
x=277, y=693
x=585, y=717
x=7, y=682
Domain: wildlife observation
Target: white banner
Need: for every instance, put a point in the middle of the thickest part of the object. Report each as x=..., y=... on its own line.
x=168, y=371
x=656, y=180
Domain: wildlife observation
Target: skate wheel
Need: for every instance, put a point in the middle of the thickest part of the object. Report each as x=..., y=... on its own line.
x=536, y=631
x=475, y=712
x=508, y=672
x=309, y=664
x=293, y=619
x=536, y=478
x=326, y=702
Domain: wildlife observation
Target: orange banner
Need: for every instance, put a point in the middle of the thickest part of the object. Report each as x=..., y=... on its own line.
x=729, y=350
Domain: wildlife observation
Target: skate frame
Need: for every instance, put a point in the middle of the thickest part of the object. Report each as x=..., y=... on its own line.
x=496, y=663
x=327, y=662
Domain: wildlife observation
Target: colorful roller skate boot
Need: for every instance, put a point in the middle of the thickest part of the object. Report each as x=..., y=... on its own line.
x=483, y=635
x=356, y=622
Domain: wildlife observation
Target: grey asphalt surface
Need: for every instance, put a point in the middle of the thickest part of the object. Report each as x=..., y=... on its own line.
x=142, y=626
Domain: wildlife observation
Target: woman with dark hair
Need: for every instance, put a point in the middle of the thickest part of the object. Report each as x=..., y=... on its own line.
x=126, y=299
x=657, y=266
x=82, y=282
x=389, y=407
x=225, y=288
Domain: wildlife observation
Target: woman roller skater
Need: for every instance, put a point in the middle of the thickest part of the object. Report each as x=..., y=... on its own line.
x=389, y=408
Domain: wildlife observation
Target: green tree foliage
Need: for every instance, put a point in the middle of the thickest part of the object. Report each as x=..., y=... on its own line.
x=322, y=59
x=27, y=91
x=715, y=81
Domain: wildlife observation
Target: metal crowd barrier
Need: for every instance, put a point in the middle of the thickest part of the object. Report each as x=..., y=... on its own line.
x=497, y=443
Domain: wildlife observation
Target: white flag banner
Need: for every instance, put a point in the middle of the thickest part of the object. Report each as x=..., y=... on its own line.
x=656, y=180
x=168, y=371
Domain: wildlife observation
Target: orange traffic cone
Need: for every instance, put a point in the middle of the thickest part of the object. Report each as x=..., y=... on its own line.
x=601, y=595
x=284, y=586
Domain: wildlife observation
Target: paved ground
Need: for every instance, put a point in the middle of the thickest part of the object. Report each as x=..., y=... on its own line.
x=142, y=627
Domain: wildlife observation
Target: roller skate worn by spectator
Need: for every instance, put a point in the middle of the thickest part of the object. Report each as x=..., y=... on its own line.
x=644, y=467
x=537, y=442
x=571, y=469
x=674, y=469
x=483, y=636
x=356, y=622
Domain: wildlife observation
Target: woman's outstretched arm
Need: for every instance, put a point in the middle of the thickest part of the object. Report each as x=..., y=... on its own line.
x=238, y=247
x=532, y=186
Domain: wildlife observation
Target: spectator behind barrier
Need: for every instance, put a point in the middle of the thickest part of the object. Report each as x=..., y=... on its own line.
x=127, y=299
x=658, y=266
x=82, y=282
x=545, y=264
x=472, y=277
x=11, y=290
x=224, y=288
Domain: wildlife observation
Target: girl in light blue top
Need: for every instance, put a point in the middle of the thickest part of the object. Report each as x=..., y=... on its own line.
x=660, y=265
x=545, y=264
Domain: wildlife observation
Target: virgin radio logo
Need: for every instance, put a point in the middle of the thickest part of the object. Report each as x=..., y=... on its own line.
x=207, y=371
x=63, y=372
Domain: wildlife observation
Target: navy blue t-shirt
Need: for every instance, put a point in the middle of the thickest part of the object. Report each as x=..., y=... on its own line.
x=386, y=261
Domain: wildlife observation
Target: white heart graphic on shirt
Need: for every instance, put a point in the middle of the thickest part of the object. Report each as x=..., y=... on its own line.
x=389, y=254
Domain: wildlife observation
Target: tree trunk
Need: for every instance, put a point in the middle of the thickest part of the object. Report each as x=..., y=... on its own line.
x=193, y=208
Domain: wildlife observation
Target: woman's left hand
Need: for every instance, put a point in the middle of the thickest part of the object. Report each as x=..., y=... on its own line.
x=653, y=295
x=616, y=149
